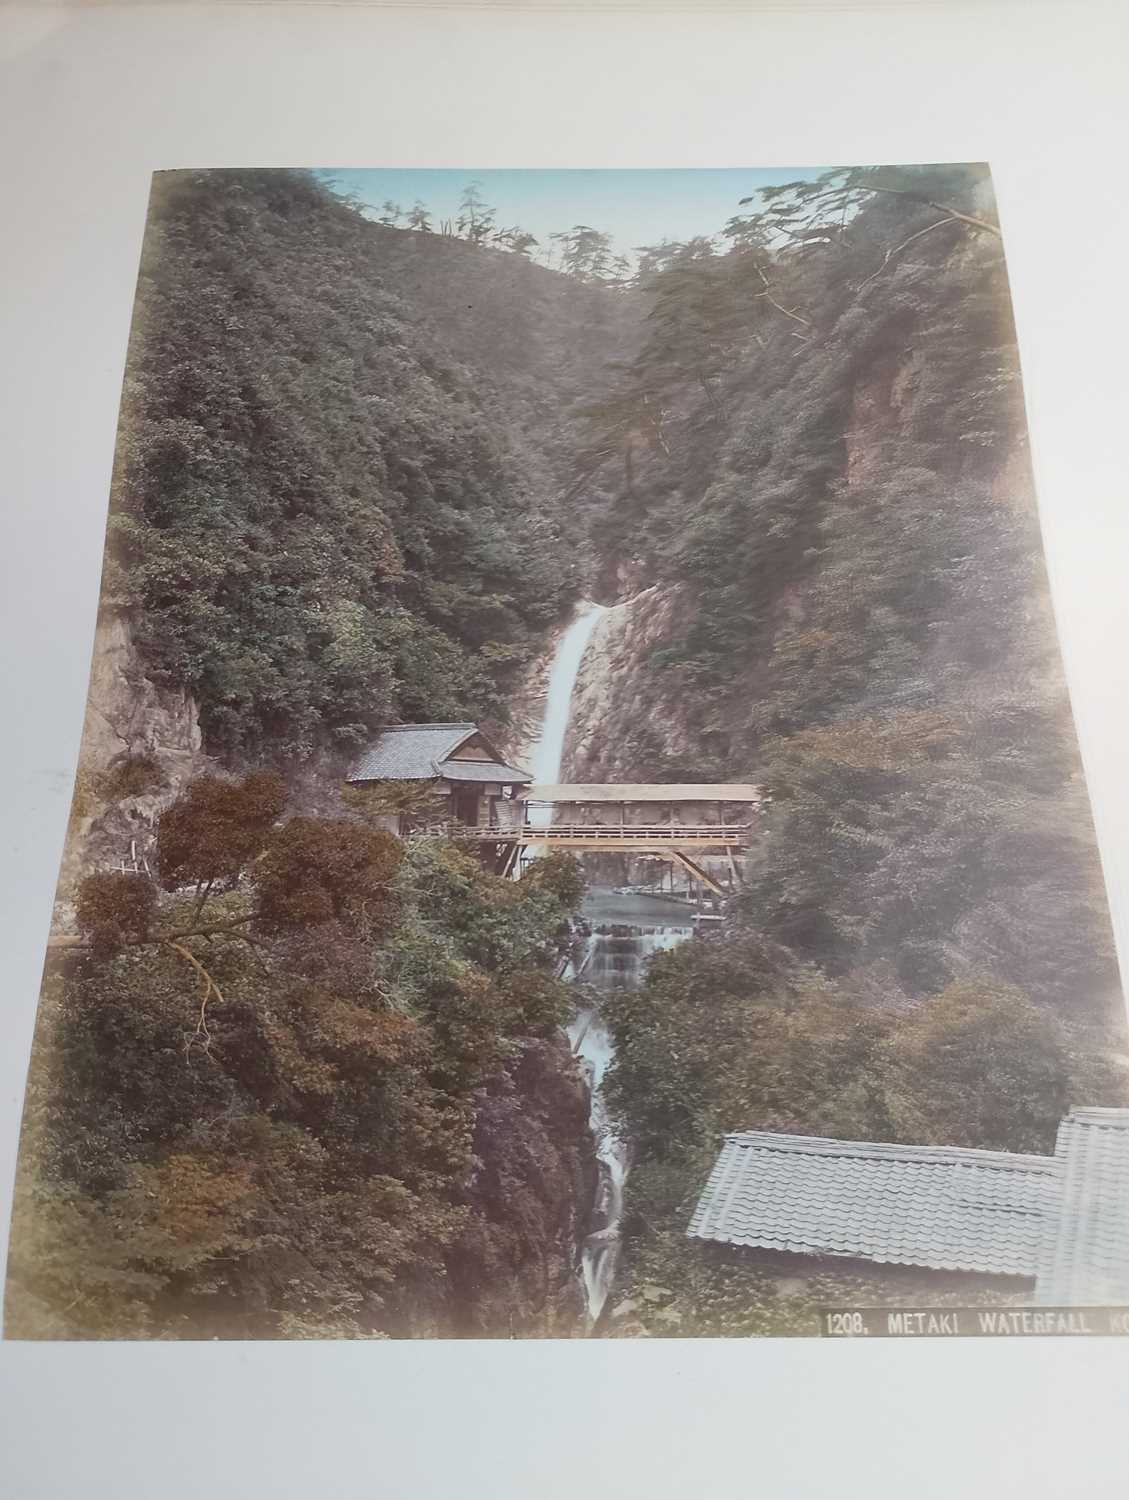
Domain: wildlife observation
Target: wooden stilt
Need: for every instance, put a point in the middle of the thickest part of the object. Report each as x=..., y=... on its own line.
x=696, y=872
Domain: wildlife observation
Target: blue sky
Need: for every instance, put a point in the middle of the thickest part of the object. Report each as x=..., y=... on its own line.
x=636, y=206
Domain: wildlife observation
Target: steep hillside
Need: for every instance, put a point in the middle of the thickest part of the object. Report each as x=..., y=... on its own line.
x=294, y=1077
x=818, y=465
x=810, y=494
x=333, y=503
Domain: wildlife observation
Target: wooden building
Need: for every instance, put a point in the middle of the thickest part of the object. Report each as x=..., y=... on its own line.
x=456, y=764
x=1052, y=1229
x=465, y=785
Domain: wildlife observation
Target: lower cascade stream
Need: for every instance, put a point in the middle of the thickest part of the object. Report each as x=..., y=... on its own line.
x=623, y=937
x=625, y=929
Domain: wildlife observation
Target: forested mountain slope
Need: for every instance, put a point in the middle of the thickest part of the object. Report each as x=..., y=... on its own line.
x=811, y=491
x=333, y=503
x=295, y=1078
x=291, y=1078
x=819, y=457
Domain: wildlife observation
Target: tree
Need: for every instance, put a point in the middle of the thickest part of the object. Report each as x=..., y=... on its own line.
x=980, y=1066
x=419, y=218
x=315, y=870
x=559, y=874
x=342, y=1122
x=113, y=909
x=520, y=241
x=735, y=1034
x=215, y=828
x=586, y=254
x=475, y=221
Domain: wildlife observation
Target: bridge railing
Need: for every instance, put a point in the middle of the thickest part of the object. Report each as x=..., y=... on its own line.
x=636, y=833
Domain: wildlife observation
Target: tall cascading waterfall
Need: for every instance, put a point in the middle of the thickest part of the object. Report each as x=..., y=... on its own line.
x=623, y=937
x=545, y=758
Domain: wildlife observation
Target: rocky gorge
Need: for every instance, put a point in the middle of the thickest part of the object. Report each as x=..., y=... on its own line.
x=372, y=476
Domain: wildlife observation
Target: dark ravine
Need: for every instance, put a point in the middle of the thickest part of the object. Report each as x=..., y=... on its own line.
x=624, y=934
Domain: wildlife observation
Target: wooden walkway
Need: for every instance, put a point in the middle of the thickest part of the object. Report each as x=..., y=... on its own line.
x=609, y=836
x=679, y=841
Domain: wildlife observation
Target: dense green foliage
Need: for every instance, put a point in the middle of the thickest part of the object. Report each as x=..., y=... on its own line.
x=821, y=449
x=277, y=1113
x=322, y=519
x=319, y=1086
x=733, y=1033
x=819, y=454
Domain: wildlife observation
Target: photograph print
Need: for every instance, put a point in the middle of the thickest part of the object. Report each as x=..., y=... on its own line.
x=579, y=830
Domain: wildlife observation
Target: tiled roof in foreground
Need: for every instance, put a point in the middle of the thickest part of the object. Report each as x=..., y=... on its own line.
x=1085, y=1254
x=942, y=1207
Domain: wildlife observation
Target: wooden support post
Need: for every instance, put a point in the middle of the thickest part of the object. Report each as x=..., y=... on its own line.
x=696, y=872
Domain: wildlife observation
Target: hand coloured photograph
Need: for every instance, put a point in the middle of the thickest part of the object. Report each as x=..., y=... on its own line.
x=579, y=830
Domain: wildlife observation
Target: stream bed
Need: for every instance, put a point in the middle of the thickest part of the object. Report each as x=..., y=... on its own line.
x=625, y=931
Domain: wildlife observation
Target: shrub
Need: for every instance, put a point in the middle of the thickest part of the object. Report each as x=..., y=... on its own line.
x=315, y=870
x=114, y=909
x=131, y=776
x=215, y=828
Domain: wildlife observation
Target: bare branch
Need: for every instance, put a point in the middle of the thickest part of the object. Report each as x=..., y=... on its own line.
x=899, y=248
x=942, y=208
x=229, y=929
x=767, y=293
x=201, y=1033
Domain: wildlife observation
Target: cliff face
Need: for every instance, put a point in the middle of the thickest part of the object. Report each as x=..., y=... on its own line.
x=611, y=713
x=517, y=1274
x=140, y=743
x=840, y=595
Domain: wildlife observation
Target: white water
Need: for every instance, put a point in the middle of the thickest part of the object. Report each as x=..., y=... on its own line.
x=591, y=1042
x=545, y=758
x=614, y=959
x=617, y=954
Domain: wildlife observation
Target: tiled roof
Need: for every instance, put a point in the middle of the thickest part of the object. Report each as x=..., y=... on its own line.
x=409, y=752
x=480, y=770
x=1084, y=1259
x=943, y=1207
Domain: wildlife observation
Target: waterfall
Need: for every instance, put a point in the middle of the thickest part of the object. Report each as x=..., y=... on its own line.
x=617, y=955
x=545, y=758
x=617, y=951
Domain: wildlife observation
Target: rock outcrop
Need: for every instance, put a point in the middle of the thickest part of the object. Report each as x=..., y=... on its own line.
x=611, y=705
x=141, y=742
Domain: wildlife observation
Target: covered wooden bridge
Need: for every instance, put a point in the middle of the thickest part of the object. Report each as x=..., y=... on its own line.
x=455, y=767
x=680, y=820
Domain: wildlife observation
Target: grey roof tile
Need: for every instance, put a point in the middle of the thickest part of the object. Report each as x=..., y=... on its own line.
x=943, y=1207
x=409, y=752
x=480, y=770
x=418, y=752
x=1084, y=1256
